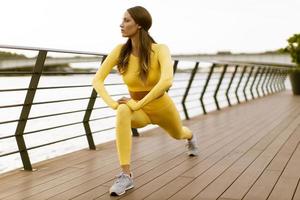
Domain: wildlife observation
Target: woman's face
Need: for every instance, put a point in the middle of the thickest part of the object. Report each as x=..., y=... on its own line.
x=128, y=26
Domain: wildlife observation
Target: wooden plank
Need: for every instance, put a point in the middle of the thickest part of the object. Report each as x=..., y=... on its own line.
x=216, y=188
x=46, y=174
x=204, y=175
x=95, y=192
x=265, y=183
x=242, y=185
x=297, y=193
x=287, y=183
x=168, y=190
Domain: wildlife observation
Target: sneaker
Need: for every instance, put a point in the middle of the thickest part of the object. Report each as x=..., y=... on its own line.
x=124, y=182
x=192, y=146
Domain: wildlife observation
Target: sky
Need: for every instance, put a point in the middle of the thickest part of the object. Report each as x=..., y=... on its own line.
x=190, y=26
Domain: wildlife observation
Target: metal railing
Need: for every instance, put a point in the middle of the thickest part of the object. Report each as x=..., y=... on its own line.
x=219, y=85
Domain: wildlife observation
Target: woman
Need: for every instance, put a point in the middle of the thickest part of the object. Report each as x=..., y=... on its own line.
x=146, y=69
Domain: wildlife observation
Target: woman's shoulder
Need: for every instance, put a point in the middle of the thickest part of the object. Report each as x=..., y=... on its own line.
x=159, y=47
x=116, y=50
x=118, y=46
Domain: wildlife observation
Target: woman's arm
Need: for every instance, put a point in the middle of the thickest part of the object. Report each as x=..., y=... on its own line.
x=98, y=81
x=164, y=83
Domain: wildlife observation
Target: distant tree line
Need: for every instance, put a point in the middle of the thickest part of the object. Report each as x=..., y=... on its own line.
x=8, y=55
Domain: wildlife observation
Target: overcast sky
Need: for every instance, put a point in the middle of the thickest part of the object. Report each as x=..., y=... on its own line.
x=190, y=26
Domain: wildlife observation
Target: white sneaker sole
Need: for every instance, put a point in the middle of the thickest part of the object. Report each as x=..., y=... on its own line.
x=193, y=154
x=119, y=194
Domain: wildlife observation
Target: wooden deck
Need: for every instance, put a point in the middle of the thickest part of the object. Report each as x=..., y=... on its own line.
x=249, y=151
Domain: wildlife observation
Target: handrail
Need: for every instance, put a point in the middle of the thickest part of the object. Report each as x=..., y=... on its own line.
x=49, y=50
x=221, y=84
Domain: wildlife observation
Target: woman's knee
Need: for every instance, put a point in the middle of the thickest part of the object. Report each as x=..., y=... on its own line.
x=180, y=133
x=123, y=109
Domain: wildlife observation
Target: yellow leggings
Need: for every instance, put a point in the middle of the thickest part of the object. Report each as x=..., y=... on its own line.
x=161, y=111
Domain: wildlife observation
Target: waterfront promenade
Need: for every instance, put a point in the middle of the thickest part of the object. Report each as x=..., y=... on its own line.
x=247, y=151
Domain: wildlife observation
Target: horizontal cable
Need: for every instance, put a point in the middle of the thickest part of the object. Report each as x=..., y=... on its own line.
x=10, y=153
x=50, y=115
x=181, y=80
x=178, y=88
x=6, y=137
x=58, y=141
x=194, y=107
x=66, y=139
x=56, y=101
x=15, y=73
x=99, y=118
x=53, y=127
x=54, y=87
x=66, y=113
x=64, y=125
x=45, y=102
x=103, y=130
x=192, y=100
x=179, y=95
x=50, y=50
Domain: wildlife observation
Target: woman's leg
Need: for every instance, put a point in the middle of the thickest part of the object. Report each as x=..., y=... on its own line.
x=126, y=119
x=168, y=118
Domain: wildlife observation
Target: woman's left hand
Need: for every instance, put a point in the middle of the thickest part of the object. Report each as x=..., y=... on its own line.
x=123, y=100
x=133, y=105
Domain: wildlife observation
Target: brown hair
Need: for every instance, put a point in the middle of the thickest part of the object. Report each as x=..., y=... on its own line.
x=143, y=18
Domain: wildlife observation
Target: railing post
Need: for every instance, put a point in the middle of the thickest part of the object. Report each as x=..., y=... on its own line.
x=87, y=116
x=280, y=80
x=272, y=81
x=284, y=74
x=268, y=81
x=255, y=76
x=230, y=83
x=175, y=66
x=188, y=89
x=276, y=80
x=239, y=83
x=174, y=69
x=218, y=86
x=259, y=80
x=86, y=119
x=37, y=71
x=262, y=85
x=205, y=86
x=249, y=76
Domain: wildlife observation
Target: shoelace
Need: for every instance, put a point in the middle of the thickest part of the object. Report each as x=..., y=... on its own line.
x=189, y=145
x=119, y=176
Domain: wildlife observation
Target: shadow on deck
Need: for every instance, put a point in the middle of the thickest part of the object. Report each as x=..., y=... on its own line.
x=248, y=151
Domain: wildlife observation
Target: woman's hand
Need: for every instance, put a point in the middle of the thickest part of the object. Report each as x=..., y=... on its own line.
x=133, y=105
x=123, y=100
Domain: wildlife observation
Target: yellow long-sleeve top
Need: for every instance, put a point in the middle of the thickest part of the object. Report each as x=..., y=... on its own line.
x=160, y=76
